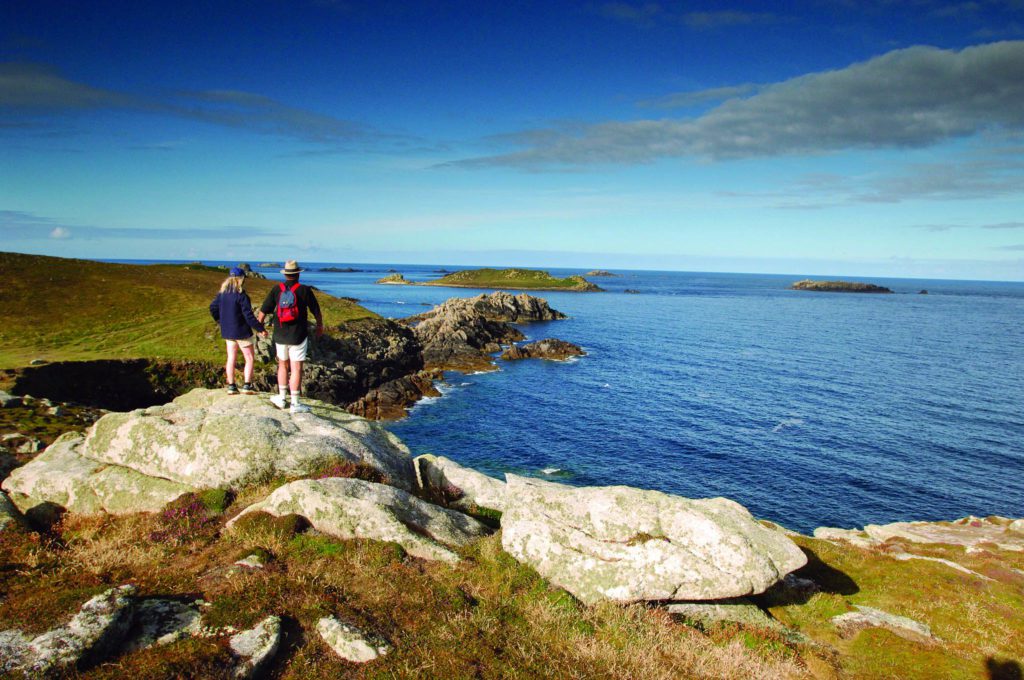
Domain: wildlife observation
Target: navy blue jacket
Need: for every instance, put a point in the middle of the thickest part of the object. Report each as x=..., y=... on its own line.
x=233, y=311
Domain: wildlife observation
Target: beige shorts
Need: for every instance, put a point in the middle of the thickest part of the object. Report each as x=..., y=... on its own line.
x=240, y=343
x=292, y=352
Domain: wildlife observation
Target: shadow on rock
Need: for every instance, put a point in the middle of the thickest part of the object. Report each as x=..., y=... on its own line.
x=44, y=516
x=814, y=577
x=1003, y=670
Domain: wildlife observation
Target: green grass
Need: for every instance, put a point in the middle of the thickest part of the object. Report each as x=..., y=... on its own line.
x=75, y=310
x=517, y=279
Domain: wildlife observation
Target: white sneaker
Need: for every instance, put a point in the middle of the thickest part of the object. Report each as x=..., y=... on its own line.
x=300, y=408
x=279, y=401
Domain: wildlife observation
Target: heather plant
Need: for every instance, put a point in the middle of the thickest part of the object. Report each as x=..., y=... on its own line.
x=185, y=520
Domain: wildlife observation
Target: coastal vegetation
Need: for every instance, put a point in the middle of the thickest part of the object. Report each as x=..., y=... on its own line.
x=73, y=310
x=839, y=286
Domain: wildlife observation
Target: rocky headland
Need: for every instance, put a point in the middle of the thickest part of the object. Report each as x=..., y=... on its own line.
x=838, y=287
x=220, y=535
x=550, y=348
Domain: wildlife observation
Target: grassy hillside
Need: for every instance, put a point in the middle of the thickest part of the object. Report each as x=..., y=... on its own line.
x=516, y=279
x=69, y=310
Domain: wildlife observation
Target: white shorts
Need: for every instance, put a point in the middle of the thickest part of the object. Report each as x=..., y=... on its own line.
x=292, y=352
x=247, y=342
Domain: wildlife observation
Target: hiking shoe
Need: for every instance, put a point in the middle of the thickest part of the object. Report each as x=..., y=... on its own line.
x=300, y=408
x=247, y=388
x=232, y=389
x=279, y=401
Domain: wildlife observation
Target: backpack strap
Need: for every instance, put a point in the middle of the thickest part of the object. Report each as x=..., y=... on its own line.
x=295, y=287
x=282, y=287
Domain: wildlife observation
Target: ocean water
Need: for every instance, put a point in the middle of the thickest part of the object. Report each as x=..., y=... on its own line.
x=811, y=409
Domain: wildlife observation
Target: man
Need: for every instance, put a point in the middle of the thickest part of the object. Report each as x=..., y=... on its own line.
x=290, y=303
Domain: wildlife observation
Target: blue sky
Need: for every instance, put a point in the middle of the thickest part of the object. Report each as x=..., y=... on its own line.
x=821, y=137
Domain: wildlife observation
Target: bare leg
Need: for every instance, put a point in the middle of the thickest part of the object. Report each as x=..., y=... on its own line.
x=282, y=373
x=295, y=382
x=229, y=368
x=250, y=355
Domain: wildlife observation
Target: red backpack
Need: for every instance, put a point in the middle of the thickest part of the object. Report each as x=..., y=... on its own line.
x=287, y=304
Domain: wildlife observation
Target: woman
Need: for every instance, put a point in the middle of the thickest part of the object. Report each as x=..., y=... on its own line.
x=232, y=309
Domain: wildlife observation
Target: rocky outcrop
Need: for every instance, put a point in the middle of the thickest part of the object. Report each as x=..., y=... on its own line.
x=391, y=400
x=838, y=287
x=969, y=532
x=599, y=272
x=139, y=461
x=360, y=356
x=624, y=544
x=394, y=279
x=461, y=333
x=208, y=439
x=64, y=477
x=352, y=508
x=350, y=642
x=550, y=348
x=458, y=487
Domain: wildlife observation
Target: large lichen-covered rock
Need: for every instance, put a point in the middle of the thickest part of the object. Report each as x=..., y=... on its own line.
x=209, y=439
x=352, y=508
x=624, y=544
x=462, y=487
x=63, y=477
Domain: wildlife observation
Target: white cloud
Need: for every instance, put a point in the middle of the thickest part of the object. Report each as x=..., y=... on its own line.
x=908, y=98
x=60, y=233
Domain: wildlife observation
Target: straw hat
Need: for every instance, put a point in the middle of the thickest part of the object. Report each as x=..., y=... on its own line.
x=291, y=267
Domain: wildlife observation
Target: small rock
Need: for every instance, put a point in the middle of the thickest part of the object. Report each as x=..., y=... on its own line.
x=9, y=400
x=95, y=630
x=13, y=651
x=250, y=562
x=11, y=436
x=37, y=362
x=30, y=445
x=8, y=513
x=738, y=610
x=256, y=646
x=161, y=621
x=800, y=585
x=349, y=642
x=851, y=536
x=57, y=411
x=851, y=623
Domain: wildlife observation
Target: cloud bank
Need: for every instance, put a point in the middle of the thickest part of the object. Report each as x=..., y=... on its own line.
x=908, y=98
x=35, y=89
x=16, y=225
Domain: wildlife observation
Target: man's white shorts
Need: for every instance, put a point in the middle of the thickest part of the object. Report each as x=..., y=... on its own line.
x=292, y=352
x=246, y=342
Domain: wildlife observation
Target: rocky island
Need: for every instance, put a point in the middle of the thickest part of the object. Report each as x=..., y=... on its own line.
x=838, y=287
x=395, y=279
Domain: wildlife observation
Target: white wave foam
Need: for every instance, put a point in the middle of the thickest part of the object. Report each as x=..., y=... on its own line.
x=789, y=422
x=551, y=470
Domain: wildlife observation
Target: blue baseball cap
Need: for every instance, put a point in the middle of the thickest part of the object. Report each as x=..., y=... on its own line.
x=237, y=271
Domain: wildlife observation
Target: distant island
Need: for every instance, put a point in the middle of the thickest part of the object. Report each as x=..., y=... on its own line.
x=510, y=279
x=270, y=265
x=394, y=279
x=339, y=270
x=599, y=272
x=838, y=287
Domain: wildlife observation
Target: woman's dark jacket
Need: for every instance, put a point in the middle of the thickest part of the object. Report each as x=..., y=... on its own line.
x=233, y=311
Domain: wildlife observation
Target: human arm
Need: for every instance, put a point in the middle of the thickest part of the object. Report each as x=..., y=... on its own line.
x=314, y=308
x=215, y=308
x=254, y=323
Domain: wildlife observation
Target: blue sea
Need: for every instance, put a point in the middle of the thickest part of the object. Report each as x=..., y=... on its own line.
x=811, y=409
